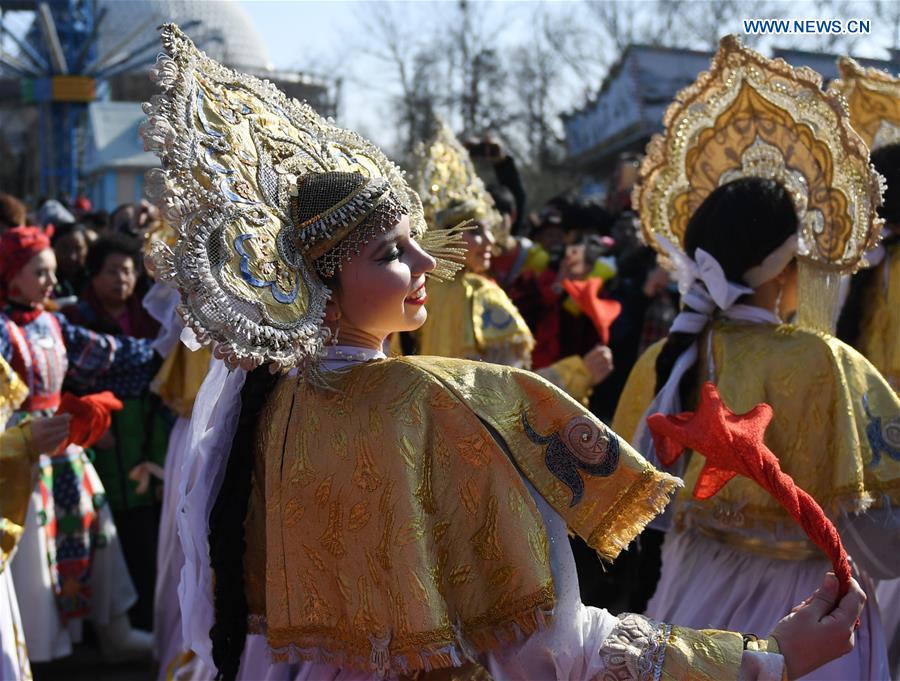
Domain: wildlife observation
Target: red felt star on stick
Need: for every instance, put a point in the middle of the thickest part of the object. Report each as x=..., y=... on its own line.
x=600, y=311
x=733, y=444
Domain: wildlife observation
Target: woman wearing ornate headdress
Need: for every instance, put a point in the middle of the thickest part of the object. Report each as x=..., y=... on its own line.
x=69, y=564
x=758, y=189
x=365, y=517
x=870, y=318
x=477, y=320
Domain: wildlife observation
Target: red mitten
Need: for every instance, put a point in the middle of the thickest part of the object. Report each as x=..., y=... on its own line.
x=91, y=416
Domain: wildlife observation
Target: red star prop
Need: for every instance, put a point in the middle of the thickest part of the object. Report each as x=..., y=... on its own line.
x=733, y=444
x=600, y=311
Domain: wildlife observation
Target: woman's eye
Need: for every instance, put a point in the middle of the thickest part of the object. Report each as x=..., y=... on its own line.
x=394, y=254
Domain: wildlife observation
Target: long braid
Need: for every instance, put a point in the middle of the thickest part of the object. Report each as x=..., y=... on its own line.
x=675, y=345
x=226, y=531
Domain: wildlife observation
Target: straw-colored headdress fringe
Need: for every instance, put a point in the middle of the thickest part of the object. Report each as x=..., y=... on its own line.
x=267, y=198
x=749, y=116
x=873, y=101
x=446, y=179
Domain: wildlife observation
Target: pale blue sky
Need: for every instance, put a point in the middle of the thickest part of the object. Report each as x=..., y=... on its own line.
x=330, y=38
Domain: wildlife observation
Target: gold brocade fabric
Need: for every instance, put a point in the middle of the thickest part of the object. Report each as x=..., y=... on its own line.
x=472, y=318
x=16, y=458
x=879, y=335
x=179, y=378
x=641, y=648
x=702, y=655
x=398, y=532
x=832, y=411
x=13, y=392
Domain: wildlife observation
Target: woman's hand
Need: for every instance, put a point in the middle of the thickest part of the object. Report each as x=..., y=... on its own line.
x=49, y=432
x=599, y=362
x=817, y=631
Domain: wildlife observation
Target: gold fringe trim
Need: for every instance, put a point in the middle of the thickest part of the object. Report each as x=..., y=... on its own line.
x=819, y=290
x=442, y=648
x=448, y=248
x=629, y=515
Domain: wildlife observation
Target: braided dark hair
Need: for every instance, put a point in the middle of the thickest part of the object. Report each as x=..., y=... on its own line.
x=887, y=162
x=739, y=224
x=226, y=530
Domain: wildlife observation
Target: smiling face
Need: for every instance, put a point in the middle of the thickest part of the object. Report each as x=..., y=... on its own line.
x=381, y=290
x=34, y=283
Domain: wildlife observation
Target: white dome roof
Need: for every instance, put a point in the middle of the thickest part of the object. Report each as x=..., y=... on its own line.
x=225, y=33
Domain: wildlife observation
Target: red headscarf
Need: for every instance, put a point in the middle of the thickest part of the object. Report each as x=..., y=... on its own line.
x=18, y=245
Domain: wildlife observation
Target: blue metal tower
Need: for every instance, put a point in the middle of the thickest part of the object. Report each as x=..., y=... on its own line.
x=59, y=71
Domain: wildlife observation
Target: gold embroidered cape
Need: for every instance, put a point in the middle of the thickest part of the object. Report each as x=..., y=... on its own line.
x=879, y=334
x=16, y=458
x=397, y=529
x=835, y=429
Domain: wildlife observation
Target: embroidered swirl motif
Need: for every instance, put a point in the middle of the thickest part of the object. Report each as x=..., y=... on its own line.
x=584, y=444
x=882, y=438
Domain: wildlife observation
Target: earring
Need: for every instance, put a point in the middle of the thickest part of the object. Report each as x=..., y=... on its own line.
x=334, y=336
x=778, y=303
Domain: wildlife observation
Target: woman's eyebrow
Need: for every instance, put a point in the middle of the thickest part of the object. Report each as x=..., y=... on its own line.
x=388, y=241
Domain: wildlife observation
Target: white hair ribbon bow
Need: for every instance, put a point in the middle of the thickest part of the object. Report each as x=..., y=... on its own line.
x=705, y=268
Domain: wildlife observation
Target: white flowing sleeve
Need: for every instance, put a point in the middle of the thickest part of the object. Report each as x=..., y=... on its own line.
x=211, y=431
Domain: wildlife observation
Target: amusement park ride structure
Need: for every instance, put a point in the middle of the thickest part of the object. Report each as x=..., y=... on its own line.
x=61, y=70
